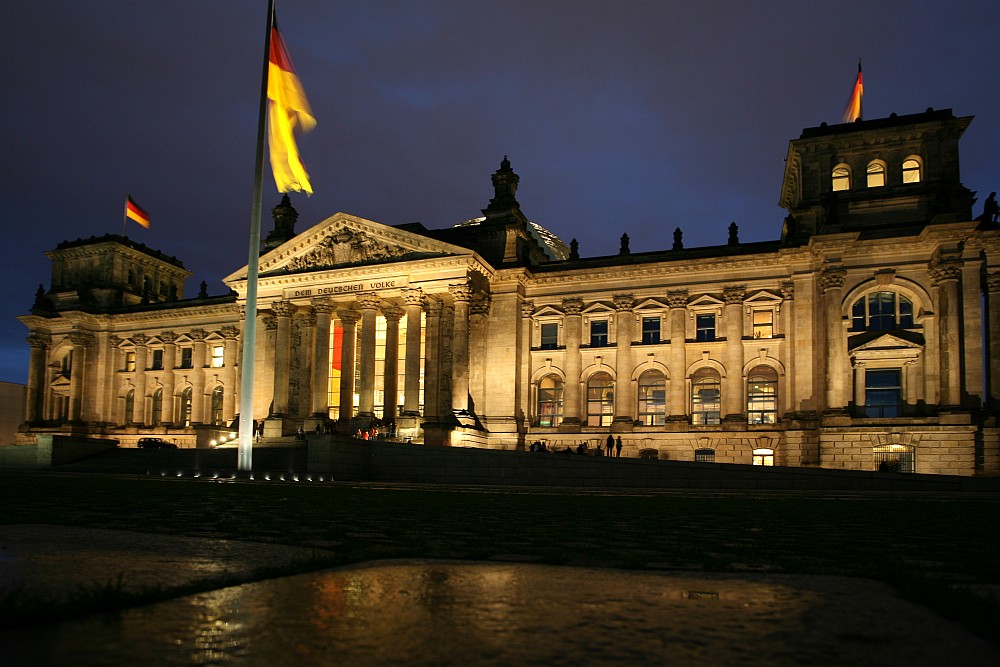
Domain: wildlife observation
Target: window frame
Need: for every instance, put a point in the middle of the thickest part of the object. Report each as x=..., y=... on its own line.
x=918, y=169
x=549, y=401
x=651, y=403
x=875, y=174
x=761, y=327
x=218, y=355
x=547, y=341
x=877, y=409
x=706, y=378
x=597, y=339
x=762, y=404
x=840, y=176
x=651, y=335
x=600, y=407
x=704, y=333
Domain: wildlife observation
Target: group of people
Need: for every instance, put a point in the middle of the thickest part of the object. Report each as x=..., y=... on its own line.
x=614, y=447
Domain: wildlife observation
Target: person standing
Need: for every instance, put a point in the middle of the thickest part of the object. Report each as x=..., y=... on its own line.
x=618, y=448
x=611, y=444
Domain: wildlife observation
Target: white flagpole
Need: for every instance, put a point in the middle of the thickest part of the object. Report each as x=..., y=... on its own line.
x=250, y=319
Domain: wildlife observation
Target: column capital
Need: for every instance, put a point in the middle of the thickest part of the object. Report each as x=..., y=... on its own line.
x=309, y=318
x=527, y=309
x=349, y=317
x=39, y=340
x=413, y=296
x=787, y=290
x=993, y=282
x=168, y=337
x=733, y=294
x=572, y=305
x=480, y=305
x=461, y=291
x=322, y=305
x=140, y=339
x=230, y=332
x=80, y=338
x=114, y=342
x=677, y=298
x=197, y=335
x=432, y=307
x=624, y=302
x=369, y=301
x=392, y=312
x=282, y=308
x=832, y=278
x=270, y=322
x=945, y=269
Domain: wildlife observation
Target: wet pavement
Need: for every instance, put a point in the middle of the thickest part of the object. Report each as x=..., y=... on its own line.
x=455, y=612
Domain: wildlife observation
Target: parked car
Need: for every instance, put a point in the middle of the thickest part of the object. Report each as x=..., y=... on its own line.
x=155, y=443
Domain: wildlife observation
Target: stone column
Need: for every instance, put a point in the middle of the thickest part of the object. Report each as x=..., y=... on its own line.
x=321, y=358
x=432, y=342
x=263, y=378
x=676, y=399
x=283, y=312
x=231, y=336
x=859, y=387
x=624, y=408
x=733, y=404
x=479, y=310
x=787, y=323
x=369, y=309
x=34, y=402
x=831, y=282
x=529, y=400
x=349, y=320
x=414, y=298
x=972, y=329
x=169, y=339
x=944, y=273
x=197, y=377
x=141, y=363
x=460, y=348
x=80, y=341
x=573, y=329
x=993, y=335
x=390, y=378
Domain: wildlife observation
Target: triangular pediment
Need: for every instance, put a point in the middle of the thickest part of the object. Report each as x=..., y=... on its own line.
x=706, y=301
x=344, y=240
x=762, y=298
x=876, y=341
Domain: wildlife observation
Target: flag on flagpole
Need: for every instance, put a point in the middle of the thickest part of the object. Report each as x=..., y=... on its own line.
x=853, y=110
x=288, y=110
x=135, y=212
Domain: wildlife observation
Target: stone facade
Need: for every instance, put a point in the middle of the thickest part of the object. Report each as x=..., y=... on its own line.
x=854, y=341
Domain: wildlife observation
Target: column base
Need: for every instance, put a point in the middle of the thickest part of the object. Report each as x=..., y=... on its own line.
x=622, y=425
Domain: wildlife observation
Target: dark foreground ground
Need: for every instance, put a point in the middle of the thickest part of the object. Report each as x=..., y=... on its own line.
x=942, y=551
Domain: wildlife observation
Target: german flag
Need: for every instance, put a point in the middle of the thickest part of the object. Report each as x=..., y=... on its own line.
x=853, y=110
x=288, y=110
x=135, y=212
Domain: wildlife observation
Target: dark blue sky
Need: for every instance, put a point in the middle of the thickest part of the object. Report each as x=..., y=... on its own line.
x=619, y=116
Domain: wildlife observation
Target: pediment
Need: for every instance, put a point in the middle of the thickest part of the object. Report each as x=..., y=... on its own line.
x=344, y=240
x=879, y=341
x=598, y=308
x=762, y=298
x=705, y=301
x=651, y=304
x=548, y=311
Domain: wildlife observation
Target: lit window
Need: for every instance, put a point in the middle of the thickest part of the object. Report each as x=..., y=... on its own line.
x=217, y=356
x=704, y=455
x=841, y=178
x=763, y=323
x=600, y=400
x=130, y=361
x=883, y=392
x=217, y=406
x=882, y=311
x=129, y=407
x=652, y=399
x=157, y=407
x=550, y=401
x=598, y=333
x=894, y=458
x=911, y=170
x=651, y=330
x=706, y=395
x=763, y=457
x=550, y=336
x=876, y=174
x=186, y=407
x=705, y=327
x=762, y=396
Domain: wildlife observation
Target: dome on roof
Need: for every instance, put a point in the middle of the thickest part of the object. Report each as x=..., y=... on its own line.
x=553, y=246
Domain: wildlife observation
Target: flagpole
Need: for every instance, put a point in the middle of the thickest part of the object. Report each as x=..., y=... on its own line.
x=245, y=456
x=861, y=100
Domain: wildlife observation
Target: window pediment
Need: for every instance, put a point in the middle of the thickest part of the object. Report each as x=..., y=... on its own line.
x=706, y=302
x=882, y=345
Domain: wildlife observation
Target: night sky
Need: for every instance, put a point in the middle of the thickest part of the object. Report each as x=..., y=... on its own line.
x=619, y=116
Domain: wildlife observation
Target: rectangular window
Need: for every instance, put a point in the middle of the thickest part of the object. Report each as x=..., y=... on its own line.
x=186, y=353
x=130, y=361
x=218, y=352
x=705, y=327
x=763, y=323
x=157, y=360
x=650, y=330
x=550, y=336
x=883, y=392
x=598, y=333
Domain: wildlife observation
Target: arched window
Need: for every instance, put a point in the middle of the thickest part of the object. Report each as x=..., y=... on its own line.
x=876, y=174
x=706, y=397
x=600, y=400
x=550, y=401
x=186, y=407
x=652, y=398
x=762, y=396
x=217, y=406
x=841, y=178
x=129, y=407
x=912, y=171
x=882, y=311
x=157, y=407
